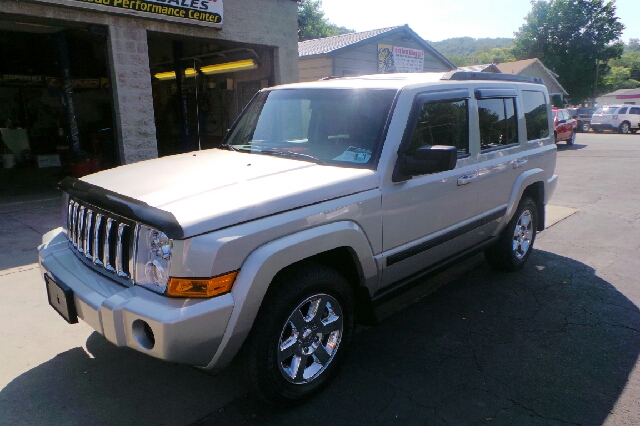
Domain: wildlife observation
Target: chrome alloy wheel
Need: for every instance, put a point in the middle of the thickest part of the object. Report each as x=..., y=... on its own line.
x=310, y=338
x=522, y=234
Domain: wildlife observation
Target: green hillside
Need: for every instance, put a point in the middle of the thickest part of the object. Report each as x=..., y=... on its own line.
x=464, y=51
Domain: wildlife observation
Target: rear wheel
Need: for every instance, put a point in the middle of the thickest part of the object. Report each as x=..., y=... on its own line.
x=515, y=243
x=624, y=127
x=300, y=335
x=585, y=127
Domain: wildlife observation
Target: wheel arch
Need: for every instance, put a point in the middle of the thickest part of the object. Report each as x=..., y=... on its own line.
x=341, y=245
x=529, y=183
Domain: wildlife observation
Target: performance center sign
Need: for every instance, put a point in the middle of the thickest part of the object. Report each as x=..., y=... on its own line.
x=199, y=12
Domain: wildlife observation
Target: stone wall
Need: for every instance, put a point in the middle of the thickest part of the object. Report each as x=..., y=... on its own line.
x=270, y=23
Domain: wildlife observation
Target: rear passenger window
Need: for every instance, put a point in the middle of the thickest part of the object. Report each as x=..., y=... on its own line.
x=443, y=123
x=498, y=123
x=535, y=115
x=634, y=111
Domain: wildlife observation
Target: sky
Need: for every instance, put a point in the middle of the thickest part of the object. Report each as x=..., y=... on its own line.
x=442, y=19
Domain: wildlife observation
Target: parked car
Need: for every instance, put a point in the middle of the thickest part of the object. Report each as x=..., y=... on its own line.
x=583, y=116
x=325, y=199
x=617, y=118
x=564, y=126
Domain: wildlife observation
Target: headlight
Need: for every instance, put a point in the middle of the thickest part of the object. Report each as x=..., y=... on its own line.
x=153, y=259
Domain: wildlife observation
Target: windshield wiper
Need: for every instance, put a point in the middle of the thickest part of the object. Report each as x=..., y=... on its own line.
x=229, y=147
x=293, y=154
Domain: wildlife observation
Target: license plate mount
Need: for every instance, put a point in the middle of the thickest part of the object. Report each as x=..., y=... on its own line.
x=61, y=299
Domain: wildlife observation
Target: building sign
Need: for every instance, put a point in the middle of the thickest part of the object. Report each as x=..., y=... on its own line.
x=399, y=59
x=202, y=12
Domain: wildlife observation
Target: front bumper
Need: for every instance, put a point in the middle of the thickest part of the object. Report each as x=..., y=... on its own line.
x=182, y=330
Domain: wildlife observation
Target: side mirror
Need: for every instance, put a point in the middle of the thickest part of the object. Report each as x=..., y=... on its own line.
x=429, y=159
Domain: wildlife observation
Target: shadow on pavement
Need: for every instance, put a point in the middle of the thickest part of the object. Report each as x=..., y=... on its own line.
x=113, y=386
x=564, y=147
x=550, y=345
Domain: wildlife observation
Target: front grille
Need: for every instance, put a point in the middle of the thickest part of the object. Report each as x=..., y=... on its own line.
x=103, y=239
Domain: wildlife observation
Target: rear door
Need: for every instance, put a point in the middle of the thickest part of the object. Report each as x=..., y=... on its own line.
x=634, y=113
x=501, y=153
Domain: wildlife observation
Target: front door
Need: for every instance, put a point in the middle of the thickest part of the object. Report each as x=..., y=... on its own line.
x=426, y=218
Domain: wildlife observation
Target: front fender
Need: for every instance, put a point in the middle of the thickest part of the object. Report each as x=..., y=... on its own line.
x=265, y=262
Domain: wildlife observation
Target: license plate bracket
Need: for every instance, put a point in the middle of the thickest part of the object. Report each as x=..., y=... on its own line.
x=61, y=299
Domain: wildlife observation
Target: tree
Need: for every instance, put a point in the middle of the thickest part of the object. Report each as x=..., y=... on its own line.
x=575, y=39
x=619, y=78
x=312, y=23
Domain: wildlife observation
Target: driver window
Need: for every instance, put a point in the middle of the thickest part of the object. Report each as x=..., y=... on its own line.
x=442, y=123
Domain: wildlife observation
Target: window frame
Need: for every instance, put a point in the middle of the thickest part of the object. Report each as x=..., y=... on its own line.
x=514, y=101
x=549, y=114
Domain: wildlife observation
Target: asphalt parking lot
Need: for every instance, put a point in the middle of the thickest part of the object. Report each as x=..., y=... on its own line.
x=556, y=343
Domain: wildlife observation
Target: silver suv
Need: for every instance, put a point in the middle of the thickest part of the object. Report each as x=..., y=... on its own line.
x=618, y=118
x=325, y=199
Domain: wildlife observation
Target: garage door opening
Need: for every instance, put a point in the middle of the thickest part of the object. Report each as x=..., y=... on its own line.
x=56, y=109
x=201, y=86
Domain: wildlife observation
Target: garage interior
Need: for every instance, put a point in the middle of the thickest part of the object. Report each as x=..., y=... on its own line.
x=215, y=79
x=56, y=109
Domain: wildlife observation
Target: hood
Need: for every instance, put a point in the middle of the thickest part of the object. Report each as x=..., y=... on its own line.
x=213, y=189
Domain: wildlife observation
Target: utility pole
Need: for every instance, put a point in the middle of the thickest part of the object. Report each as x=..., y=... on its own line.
x=595, y=84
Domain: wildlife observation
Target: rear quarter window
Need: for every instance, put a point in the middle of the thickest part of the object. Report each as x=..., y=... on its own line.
x=536, y=117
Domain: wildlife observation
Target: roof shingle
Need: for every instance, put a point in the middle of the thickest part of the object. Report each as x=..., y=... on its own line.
x=329, y=44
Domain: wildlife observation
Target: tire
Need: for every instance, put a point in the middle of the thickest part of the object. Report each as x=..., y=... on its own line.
x=300, y=335
x=624, y=127
x=515, y=243
x=585, y=127
x=572, y=139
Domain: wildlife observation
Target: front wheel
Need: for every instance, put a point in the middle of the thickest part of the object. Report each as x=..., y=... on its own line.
x=515, y=244
x=585, y=127
x=300, y=335
x=572, y=139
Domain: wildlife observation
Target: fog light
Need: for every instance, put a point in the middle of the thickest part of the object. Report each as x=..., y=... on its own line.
x=195, y=287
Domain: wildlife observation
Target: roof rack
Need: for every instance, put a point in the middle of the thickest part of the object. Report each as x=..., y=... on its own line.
x=469, y=75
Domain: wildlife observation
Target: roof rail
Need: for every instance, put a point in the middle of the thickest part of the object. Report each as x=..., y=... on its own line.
x=469, y=75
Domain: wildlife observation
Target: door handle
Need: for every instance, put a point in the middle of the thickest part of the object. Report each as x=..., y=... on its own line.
x=518, y=163
x=467, y=179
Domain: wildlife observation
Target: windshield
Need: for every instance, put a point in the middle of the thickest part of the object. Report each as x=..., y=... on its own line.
x=340, y=127
x=607, y=110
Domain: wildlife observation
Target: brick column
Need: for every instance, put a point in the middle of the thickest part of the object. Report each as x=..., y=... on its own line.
x=131, y=88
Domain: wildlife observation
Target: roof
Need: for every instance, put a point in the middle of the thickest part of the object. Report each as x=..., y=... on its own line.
x=481, y=68
x=517, y=67
x=391, y=81
x=330, y=45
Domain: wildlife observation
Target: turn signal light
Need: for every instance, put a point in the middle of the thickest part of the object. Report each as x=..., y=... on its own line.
x=195, y=287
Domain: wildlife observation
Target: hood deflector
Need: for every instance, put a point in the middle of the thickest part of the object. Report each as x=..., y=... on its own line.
x=124, y=206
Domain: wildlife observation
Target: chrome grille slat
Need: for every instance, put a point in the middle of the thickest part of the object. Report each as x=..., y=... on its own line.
x=120, y=261
x=70, y=220
x=80, y=232
x=103, y=239
x=106, y=258
x=96, y=240
x=74, y=225
x=87, y=234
